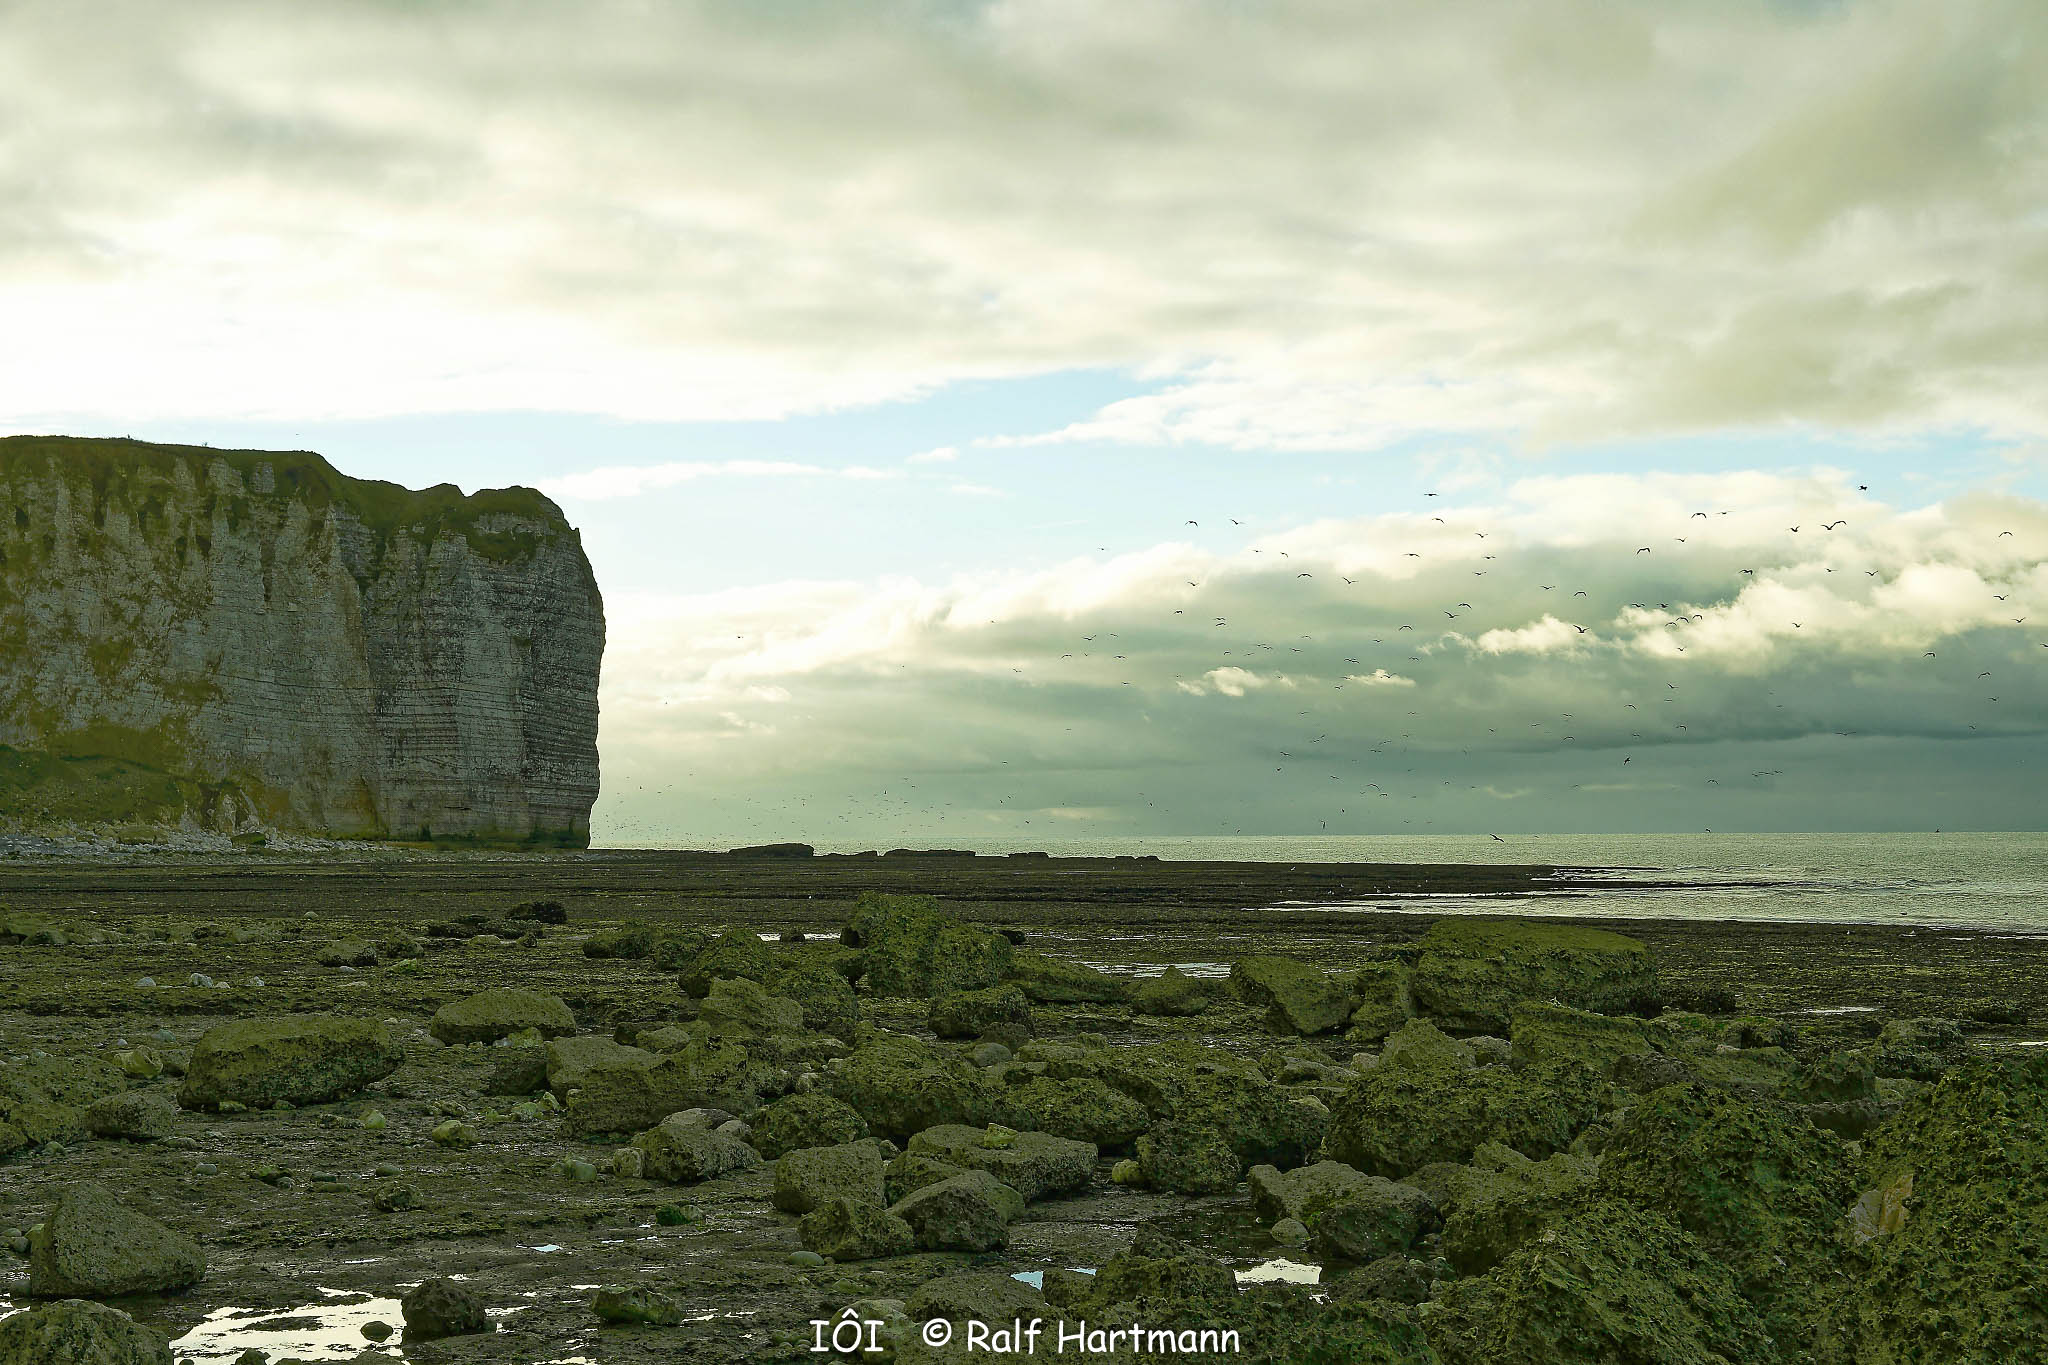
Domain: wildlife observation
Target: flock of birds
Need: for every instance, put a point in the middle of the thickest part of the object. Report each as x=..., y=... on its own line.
x=1639, y=724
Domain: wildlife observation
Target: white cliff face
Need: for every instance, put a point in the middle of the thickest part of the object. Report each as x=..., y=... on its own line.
x=315, y=652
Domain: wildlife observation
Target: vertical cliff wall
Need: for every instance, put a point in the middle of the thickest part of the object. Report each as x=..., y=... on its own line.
x=231, y=636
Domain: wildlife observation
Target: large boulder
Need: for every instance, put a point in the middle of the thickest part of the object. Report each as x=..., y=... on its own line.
x=303, y=1059
x=1757, y=1185
x=740, y=1006
x=1191, y=1083
x=811, y=1177
x=1948, y=1232
x=825, y=997
x=735, y=954
x=628, y=1096
x=915, y=949
x=79, y=1332
x=1385, y=1001
x=1298, y=997
x=1188, y=1158
x=138, y=1115
x=855, y=1230
x=1079, y=1108
x=975, y=1296
x=92, y=1246
x=901, y=1086
x=1543, y=1034
x=442, y=1308
x=1301, y=1194
x=1421, y=1044
x=1056, y=981
x=1033, y=1164
x=969, y=1014
x=1380, y=1217
x=1471, y=972
x=492, y=1014
x=1615, y=1285
x=1173, y=994
x=685, y=1152
x=569, y=1061
x=1396, y=1119
x=1503, y=1199
x=810, y=1119
x=970, y=1212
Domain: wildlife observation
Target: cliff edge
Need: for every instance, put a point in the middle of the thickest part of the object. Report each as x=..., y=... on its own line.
x=239, y=637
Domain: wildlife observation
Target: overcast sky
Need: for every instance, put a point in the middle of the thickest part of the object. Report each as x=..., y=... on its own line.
x=1056, y=418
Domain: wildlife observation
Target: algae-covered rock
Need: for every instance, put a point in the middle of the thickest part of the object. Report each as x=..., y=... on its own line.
x=568, y=1062
x=901, y=1086
x=302, y=1059
x=738, y=1005
x=442, y=1308
x=1757, y=1185
x=686, y=1153
x=1503, y=1199
x=139, y=1115
x=915, y=949
x=1282, y=1324
x=1377, y=1217
x=970, y=1212
x=734, y=954
x=79, y=1332
x=1919, y=1049
x=1472, y=972
x=638, y=1304
x=632, y=940
x=1194, y=1084
x=92, y=1246
x=912, y=1171
x=1080, y=1108
x=1173, y=994
x=1946, y=1262
x=1188, y=1158
x=1385, y=1000
x=1056, y=981
x=969, y=1014
x=975, y=1296
x=1419, y=1043
x=810, y=1119
x=629, y=1096
x=1544, y=1034
x=855, y=1230
x=1301, y=1194
x=499, y=1012
x=811, y=1177
x=824, y=996
x=1033, y=1164
x=1395, y=1119
x=1615, y=1285
x=1299, y=997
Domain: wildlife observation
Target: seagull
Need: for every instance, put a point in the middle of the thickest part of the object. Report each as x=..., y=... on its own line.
x=1194, y=523
x=1831, y=525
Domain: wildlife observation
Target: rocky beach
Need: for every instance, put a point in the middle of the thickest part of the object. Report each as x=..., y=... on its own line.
x=623, y=1107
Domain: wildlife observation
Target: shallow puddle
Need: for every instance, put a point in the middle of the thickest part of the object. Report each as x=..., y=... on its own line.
x=329, y=1330
x=1280, y=1270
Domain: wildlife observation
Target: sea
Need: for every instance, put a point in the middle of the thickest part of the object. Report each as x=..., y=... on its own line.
x=1977, y=880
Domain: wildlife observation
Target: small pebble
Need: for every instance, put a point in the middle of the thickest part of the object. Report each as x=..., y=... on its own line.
x=147, y=981
x=207, y=1168
x=808, y=1259
x=387, y=1169
x=199, y=979
x=376, y=1329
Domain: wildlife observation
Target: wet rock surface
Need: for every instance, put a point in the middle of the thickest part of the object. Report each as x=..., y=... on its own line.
x=737, y=1135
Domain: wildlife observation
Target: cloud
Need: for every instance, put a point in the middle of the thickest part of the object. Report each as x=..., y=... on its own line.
x=936, y=455
x=1301, y=224
x=630, y=481
x=1791, y=667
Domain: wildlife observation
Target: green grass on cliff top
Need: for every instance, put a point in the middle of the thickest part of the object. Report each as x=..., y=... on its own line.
x=384, y=508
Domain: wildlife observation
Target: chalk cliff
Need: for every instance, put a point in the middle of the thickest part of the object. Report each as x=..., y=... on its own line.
x=231, y=637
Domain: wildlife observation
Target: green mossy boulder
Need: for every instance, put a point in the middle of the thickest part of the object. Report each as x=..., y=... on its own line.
x=1470, y=973
x=92, y=1246
x=628, y=1097
x=970, y=1212
x=855, y=1230
x=499, y=1012
x=969, y=1014
x=1503, y=1199
x=79, y=1332
x=902, y=1086
x=684, y=1152
x=1188, y=1158
x=1190, y=1083
x=1035, y=1165
x=1079, y=1108
x=811, y=1119
x=1543, y=1034
x=1056, y=981
x=914, y=949
x=1615, y=1285
x=1298, y=997
x=739, y=1006
x=1173, y=994
x=1384, y=1001
x=1377, y=1217
x=812, y=1177
x=1395, y=1119
x=1756, y=1184
x=303, y=1059
x=826, y=997
x=1948, y=1238
x=735, y=954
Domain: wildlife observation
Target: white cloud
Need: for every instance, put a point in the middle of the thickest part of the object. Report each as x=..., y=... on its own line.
x=979, y=490
x=1379, y=677
x=1305, y=223
x=630, y=481
x=936, y=455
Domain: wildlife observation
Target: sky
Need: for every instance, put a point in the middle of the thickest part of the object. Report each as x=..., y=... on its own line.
x=1045, y=419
